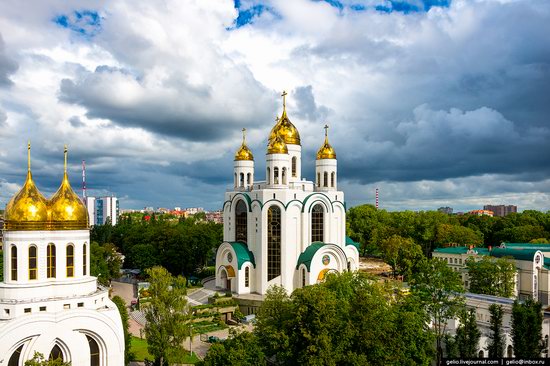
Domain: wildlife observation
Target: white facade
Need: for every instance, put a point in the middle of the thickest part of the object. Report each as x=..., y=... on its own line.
x=285, y=230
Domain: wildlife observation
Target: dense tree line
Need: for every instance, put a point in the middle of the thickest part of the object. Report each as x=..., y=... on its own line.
x=432, y=229
x=181, y=246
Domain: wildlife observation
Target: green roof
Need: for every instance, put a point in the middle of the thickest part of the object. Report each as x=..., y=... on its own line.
x=536, y=246
x=307, y=255
x=521, y=254
x=243, y=254
x=460, y=250
x=349, y=241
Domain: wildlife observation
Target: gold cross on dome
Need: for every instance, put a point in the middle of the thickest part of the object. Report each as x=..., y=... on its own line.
x=326, y=130
x=284, y=98
x=244, y=134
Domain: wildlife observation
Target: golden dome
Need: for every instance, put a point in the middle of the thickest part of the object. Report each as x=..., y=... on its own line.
x=326, y=151
x=285, y=128
x=28, y=209
x=67, y=212
x=277, y=146
x=244, y=152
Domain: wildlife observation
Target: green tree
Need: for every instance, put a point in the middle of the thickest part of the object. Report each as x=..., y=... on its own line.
x=468, y=334
x=496, y=338
x=456, y=234
x=166, y=317
x=491, y=276
x=39, y=360
x=241, y=349
x=105, y=262
x=527, y=329
x=439, y=289
x=123, y=310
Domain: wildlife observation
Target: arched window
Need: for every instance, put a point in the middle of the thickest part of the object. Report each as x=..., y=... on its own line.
x=235, y=184
x=70, y=260
x=294, y=172
x=268, y=176
x=481, y=354
x=50, y=267
x=303, y=277
x=332, y=175
x=318, y=179
x=32, y=262
x=241, y=182
x=249, y=179
x=56, y=353
x=349, y=266
x=510, y=351
x=273, y=242
x=94, y=351
x=247, y=277
x=276, y=175
x=325, y=183
x=14, y=359
x=317, y=216
x=241, y=222
x=284, y=175
x=13, y=263
x=84, y=261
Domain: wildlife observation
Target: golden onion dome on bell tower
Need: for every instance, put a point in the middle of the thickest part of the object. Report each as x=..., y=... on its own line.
x=285, y=128
x=244, y=152
x=28, y=209
x=67, y=212
x=326, y=151
x=277, y=146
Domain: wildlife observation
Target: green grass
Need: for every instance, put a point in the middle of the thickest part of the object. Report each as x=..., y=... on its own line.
x=139, y=347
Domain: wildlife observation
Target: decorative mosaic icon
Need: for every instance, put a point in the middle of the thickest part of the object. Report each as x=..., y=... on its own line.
x=229, y=257
x=326, y=260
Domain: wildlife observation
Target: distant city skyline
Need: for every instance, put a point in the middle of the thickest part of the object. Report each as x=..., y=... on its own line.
x=436, y=103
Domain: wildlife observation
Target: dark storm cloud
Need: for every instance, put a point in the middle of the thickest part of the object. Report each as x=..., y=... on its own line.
x=7, y=65
x=306, y=106
x=178, y=109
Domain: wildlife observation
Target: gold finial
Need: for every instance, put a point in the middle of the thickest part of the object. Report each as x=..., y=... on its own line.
x=65, y=164
x=326, y=130
x=284, y=99
x=29, y=155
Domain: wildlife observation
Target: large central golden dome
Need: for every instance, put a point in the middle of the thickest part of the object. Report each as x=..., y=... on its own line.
x=67, y=212
x=28, y=209
x=285, y=128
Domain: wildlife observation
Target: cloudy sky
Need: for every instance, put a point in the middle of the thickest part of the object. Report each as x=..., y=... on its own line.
x=435, y=102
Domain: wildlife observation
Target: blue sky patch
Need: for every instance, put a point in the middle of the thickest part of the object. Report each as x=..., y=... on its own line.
x=84, y=22
x=388, y=6
x=248, y=14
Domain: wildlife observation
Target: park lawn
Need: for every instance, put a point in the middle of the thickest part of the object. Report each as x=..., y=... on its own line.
x=139, y=347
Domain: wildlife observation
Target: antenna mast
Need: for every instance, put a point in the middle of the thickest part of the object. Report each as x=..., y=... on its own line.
x=84, y=180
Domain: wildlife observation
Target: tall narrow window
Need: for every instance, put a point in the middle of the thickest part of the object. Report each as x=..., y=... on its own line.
x=13, y=263
x=303, y=277
x=50, y=268
x=276, y=175
x=84, y=261
x=241, y=222
x=247, y=277
x=94, y=351
x=268, y=176
x=325, y=183
x=70, y=260
x=249, y=179
x=235, y=184
x=56, y=353
x=242, y=180
x=318, y=179
x=317, y=214
x=332, y=176
x=273, y=242
x=32, y=262
x=294, y=172
x=284, y=175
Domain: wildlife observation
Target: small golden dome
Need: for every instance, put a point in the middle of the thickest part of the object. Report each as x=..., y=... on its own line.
x=326, y=151
x=244, y=152
x=28, y=209
x=285, y=128
x=277, y=146
x=67, y=212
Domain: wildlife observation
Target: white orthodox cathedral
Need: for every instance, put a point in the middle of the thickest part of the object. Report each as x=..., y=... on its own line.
x=49, y=302
x=285, y=230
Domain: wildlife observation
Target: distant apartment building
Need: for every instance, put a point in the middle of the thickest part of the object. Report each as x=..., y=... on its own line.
x=501, y=210
x=447, y=210
x=193, y=210
x=102, y=210
x=215, y=216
